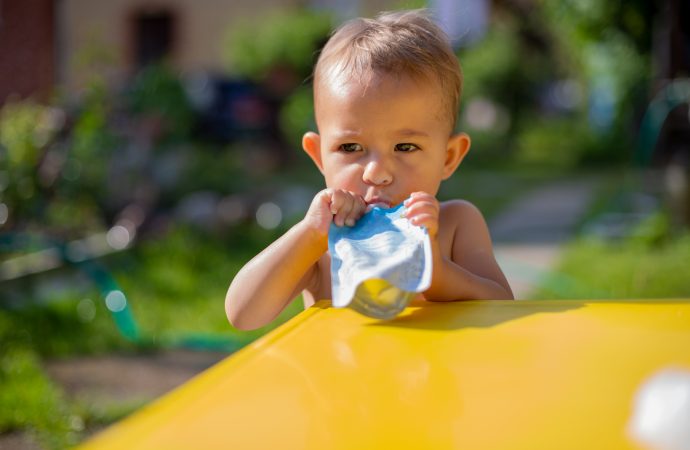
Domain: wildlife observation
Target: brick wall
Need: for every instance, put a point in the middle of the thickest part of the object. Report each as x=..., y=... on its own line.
x=27, y=48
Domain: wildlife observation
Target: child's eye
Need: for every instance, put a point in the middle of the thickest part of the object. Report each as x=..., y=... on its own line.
x=406, y=147
x=350, y=148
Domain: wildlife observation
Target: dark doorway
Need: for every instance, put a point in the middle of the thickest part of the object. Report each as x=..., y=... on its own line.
x=154, y=37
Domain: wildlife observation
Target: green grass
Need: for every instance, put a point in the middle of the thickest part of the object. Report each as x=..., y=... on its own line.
x=593, y=269
x=30, y=401
x=177, y=284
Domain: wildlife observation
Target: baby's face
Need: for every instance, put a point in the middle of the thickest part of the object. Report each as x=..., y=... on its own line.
x=383, y=142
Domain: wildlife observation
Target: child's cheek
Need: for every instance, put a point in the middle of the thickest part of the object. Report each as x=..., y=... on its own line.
x=345, y=178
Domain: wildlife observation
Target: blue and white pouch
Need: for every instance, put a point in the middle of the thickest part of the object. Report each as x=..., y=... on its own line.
x=380, y=264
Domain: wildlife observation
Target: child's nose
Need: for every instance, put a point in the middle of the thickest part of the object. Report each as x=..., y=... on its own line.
x=376, y=173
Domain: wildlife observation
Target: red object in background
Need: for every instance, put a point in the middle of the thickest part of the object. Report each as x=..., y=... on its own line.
x=27, y=49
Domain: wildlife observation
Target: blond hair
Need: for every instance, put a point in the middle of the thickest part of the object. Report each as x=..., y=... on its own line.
x=399, y=43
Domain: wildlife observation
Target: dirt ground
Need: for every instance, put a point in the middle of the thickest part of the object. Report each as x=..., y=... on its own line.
x=125, y=377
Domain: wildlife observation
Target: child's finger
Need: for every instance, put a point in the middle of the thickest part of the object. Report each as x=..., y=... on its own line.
x=418, y=206
x=420, y=195
x=423, y=210
x=428, y=221
x=359, y=207
x=422, y=198
x=336, y=202
x=341, y=205
x=421, y=216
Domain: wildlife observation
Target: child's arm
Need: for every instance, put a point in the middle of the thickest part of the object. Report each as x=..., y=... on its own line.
x=471, y=271
x=267, y=283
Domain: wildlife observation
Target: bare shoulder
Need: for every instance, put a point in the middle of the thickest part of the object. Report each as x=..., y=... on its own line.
x=459, y=207
x=456, y=212
x=471, y=245
x=463, y=228
x=465, y=223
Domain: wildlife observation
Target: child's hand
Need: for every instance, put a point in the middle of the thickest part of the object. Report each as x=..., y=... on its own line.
x=423, y=209
x=334, y=205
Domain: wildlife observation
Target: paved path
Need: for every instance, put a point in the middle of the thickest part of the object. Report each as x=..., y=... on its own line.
x=528, y=235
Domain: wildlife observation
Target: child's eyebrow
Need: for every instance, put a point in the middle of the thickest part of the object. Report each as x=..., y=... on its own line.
x=402, y=133
x=345, y=134
x=409, y=132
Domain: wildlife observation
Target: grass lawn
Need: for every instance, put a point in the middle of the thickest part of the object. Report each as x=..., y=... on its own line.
x=592, y=269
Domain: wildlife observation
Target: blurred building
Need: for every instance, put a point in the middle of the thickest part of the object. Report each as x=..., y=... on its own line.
x=46, y=43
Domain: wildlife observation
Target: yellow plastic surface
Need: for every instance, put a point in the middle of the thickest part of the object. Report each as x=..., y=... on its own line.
x=466, y=375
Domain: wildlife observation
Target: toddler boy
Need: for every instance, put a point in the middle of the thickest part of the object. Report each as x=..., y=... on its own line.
x=386, y=94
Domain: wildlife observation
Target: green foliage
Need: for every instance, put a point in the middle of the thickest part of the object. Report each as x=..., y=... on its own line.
x=91, y=148
x=491, y=68
x=600, y=48
x=604, y=42
x=30, y=401
x=556, y=143
x=57, y=174
x=158, y=94
x=504, y=72
x=25, y=129
x=216, y=169
x=177, y=284
x=653, y=232
x=648, y=265
x=60, y=328
x=55, y=185
x=297, y=115
x=279, y=39
x=91, y=138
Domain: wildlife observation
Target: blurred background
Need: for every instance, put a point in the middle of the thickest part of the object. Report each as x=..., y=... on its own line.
x=148, y=149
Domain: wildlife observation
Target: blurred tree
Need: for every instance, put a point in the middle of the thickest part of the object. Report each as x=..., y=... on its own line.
x=279, y=41
x=563, y=66
x=26, y=129
x=297, y=115
x=157, y=95
x=278, y=52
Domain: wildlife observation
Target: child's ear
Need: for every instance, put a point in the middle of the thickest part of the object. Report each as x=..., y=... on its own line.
x=457, y=148
x=311, y=143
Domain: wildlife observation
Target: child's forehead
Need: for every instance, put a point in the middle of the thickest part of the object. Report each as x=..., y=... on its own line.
x=353, y=89
x=373, y=84
x=407, y=101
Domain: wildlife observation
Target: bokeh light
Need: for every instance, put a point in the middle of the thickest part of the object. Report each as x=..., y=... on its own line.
x=116, y=301
x=118, y=237
x=269, y=215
